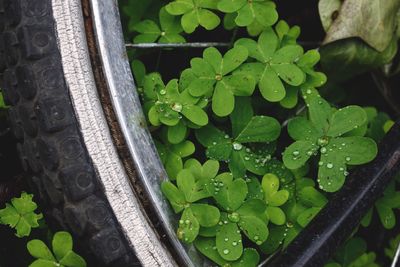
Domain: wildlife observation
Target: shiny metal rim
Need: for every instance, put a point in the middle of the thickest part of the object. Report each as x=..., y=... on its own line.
x=128, y=110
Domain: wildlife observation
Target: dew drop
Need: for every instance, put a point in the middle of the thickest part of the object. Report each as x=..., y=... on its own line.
x=320, y=163
x=237, y=146
x=177, y=107
x=234, y=243
x=163, y=92
x=226, y=251
x=348, y=159
x=296, y=153
x=323, y=150
x=329, y=165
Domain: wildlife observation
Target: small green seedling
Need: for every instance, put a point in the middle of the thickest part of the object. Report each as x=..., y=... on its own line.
x=191, y=187
x=195, y=13
x=324, y=133
x=20, y=215
x=169, y=30
x=61, y=255
x=213, y=77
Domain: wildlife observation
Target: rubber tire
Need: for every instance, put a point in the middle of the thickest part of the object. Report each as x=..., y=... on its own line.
x=50, y=145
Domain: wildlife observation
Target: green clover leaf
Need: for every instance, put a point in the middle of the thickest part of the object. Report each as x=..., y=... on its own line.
x=62, y=249
x=246, y=129
x=353, y=254
x=385, y=207
x=168, y=32
x=247, y=13
x=171, y=105
x=172, y=154
x=390, y=251
x=213, y=78
x=195, y=13
x=324, y=132
x=240, y=215
x=276, y=64
x=303, y=204
x=20, y=214
x=207, y=246
x=190, y=188
x=274, y=198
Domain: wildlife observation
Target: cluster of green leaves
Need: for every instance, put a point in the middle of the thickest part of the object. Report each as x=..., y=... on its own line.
x=61, y=254
x=187, y=15
x=20, y=214
x=390, y=251
x=336, y=135
x=221, y=147
x=353, y=254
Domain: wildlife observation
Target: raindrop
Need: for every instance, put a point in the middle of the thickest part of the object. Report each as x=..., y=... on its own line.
x=226, y=136
x=226, y=251
x=259, y=242
x=256, y=237
x=323, y=150
x=308, y=91
x=226, y=239
x=187, y=222
x=348, y=159
x=177, y=107
x=237, y=146
x=246, y=158
x=320, y=163
x=163, y=92
x=329, y=165
x=234, y=243
x=296, y=153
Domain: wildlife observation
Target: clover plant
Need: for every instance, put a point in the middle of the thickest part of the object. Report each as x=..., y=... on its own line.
x=239, y=184
x=353, y=254
x=195, y=13
x=168, y=31
x=20, y=214
x=214, y=78
x=191, y=187
x=61, y=254
x=246, y=129
x=327, y=132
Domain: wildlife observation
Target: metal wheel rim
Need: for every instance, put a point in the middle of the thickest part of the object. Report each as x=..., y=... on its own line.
x=128, y=109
